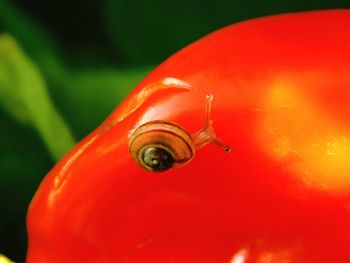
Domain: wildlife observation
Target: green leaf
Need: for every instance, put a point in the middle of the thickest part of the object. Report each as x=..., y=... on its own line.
x=24, y=96
x=88, y=96
x=23, y=163
x=150, y=31
x=33, y=38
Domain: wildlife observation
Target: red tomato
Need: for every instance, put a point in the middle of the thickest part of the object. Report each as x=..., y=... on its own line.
x=281, y=101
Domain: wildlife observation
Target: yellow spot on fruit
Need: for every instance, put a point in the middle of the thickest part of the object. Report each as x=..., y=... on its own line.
x=305, y=138
x=282, y=146
x=275, y=257
x=338, y=146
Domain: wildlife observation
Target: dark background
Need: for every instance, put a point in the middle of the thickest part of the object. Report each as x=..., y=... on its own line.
x=65, y=65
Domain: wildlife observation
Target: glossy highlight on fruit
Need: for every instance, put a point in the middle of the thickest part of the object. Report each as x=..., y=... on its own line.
x=280, y=90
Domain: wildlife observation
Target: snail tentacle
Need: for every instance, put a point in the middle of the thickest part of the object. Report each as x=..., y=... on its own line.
x=207, y=134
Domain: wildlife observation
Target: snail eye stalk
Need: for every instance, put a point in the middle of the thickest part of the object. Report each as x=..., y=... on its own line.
x=159, y=145
x=207, y=134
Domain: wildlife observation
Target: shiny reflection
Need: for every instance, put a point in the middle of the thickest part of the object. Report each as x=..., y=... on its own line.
x=240, y=257
x=61, y=176
x=175, y=82
x=143, y=95
x=275, y=257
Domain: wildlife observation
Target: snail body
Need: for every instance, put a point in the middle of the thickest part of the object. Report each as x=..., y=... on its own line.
x=159, y=145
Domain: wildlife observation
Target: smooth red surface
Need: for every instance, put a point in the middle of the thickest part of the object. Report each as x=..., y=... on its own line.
x=281, y=89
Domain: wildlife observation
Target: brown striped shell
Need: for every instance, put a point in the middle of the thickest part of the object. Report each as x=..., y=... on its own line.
x=160, y=145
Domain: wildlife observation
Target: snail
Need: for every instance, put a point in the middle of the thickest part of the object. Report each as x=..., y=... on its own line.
x=160, y=145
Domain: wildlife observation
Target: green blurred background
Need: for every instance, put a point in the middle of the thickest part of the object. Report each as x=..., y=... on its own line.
x=65, y=65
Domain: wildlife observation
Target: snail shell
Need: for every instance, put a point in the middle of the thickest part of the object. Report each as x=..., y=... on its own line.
x=160, y=145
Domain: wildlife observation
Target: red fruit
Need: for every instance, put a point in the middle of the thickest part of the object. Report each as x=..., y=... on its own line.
x=281, y=101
